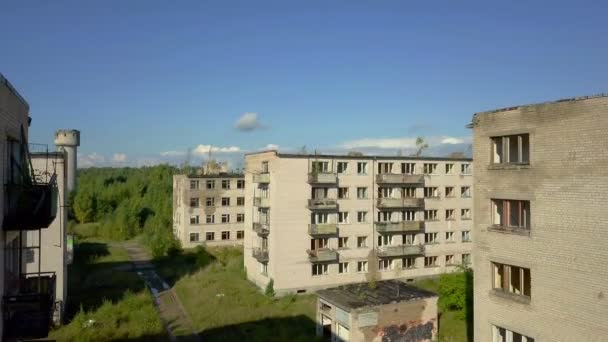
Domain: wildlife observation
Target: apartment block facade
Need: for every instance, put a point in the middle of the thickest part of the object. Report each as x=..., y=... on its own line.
x=209, y=209
x=315, y=221
x=541, y=189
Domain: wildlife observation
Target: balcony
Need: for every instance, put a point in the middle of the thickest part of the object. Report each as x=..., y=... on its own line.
x=401, y=250
x=323, y=229
x=261, y=202
x=389, y=178
x=399, y=227
x=323, y=204
x=260, y=254
x=30, y=207
x=262, y=178
x=322, y=178
x=262, y=229
x=396, y=203
x=323, y=255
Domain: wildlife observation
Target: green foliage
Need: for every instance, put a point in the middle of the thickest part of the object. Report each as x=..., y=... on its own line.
x=456, y=292
x=85, y=206
x=269, y=291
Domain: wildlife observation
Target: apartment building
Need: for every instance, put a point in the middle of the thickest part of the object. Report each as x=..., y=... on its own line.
x=315, y=221
x=541, y=189
x=209, y=209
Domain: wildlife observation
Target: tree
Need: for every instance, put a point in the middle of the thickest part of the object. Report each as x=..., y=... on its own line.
x=420, y=146
x=84, y=205
x=269, y=291
x=456, y=292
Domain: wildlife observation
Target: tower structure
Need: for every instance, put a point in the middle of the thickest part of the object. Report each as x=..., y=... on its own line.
x=68, y=140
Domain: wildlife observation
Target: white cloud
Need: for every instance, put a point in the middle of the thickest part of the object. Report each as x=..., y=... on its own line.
x=452, y=140
x=91, y=159
x=173, y=153
x=248, y=122
x=204, y=149
x=402, y=142
x=271, y=147
x=119, y=158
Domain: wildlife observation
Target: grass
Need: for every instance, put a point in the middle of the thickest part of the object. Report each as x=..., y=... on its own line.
x=224, y=306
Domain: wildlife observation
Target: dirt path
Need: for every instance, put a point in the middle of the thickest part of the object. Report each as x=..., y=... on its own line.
x=171, y=310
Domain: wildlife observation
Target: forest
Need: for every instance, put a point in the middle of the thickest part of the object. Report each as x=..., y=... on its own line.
x=128, y=202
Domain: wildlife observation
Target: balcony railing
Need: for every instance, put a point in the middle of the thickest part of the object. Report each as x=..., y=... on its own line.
x=322, y=178
x=323, y=203
x=401, y=250
x=30, y=207
x=261, y=178
x=323, y=255
x=260, y=254
x=400, y=202
x=262, y=229
x=389, y=178
x=399, y=227
x=261, y=202
x=323, y=229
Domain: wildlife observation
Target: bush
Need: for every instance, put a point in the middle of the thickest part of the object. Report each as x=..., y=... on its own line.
x=270, y=288
x=456, y=292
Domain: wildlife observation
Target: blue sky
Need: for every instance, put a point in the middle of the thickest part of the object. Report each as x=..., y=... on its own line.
x=146, y=80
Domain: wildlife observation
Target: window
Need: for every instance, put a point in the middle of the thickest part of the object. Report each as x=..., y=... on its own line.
x=408, y=263
x=320, y=166
x=385, y=192
x=466, y=236
x=465, y=169
x=319, y=269
x=430, y=238
x=225, y=218
x=408, y=215
x=361, y=266
x=209, y=236
x=225, y=235
x=465, y=191
x=210, y=201
x=225, y=201
x=240, y=184
x=226, y=184
x=240, y=234
x=318, y=243
x=361, y=193
x=343, y=217
x=409, y=239
x=449, y=259
x=449, y=169
x=511, y=149
x=342, y=193
x=512, y=279
x=385, y=240
x=194, y=219
x=240, y=201
x=465, y=214
x=265, y=167
x=504, y=335
x=343, y=267
x=384, y=216
x=511, y=213
x=194, y=185
x=430, y=168
x=342, y=167
x=362, y=168
x=408, y=192
x=193, y=237
x=466, y=259
x=449, y=191
x=319, y=218
x=449, y=214
x=385, y=265
x=362, y=216
x=240, y=217
x=408, y=168
x=194, y=202
x=210, y=184
x=361, y=241
x=385, y=168
x=430, y=215
x=342, y=242
x=319, y=193
x=210, y=219
x=430, y=261
x=431, y=192
x=449, y=236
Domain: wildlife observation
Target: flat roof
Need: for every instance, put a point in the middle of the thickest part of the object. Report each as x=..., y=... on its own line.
x=219, y=175
x=367, y=157
x=8, y=84
x=354, y=296
x=569, y=99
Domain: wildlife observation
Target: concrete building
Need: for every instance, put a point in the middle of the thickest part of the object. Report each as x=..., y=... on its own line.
x=315, y=221
x=209, y=209
x=541, y=189
x=391, y=311
x=68, y=140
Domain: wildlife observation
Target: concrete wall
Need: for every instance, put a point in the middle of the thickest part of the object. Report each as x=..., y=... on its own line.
x=567, y=186
x=288, y=241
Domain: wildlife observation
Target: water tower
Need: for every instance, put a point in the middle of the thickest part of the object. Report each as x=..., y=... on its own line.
x=68, y=140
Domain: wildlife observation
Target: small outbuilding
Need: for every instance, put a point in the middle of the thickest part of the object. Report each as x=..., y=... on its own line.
x=388, y=310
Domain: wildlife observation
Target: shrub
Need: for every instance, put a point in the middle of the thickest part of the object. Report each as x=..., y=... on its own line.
x=270, y=288
x=456, y=292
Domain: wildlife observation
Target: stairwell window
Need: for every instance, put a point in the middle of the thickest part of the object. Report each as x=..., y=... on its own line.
x=512, y=279
x=511, y=149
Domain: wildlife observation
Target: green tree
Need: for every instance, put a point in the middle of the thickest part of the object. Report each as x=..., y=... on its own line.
x=84, y=206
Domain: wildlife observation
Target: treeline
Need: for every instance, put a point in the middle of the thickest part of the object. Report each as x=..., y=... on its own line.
x=126, y=202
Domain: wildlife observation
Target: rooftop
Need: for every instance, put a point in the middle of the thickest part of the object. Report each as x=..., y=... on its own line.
x=357, y=157
x=219, y=175
x=570, y=99
x=8, y=84
x=354, y=296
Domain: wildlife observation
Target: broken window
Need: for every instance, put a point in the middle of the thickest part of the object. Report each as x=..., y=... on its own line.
x=240, y=184
x=465, y=214
x=209, y=236
x=430, y=261
x=504, y=335
x=320, y=166
x=193, y=237
x=194, y=185
x=408, y=263
x=362, y=168
x=408, y=168
x=342, y=167
x=430, y=215
x=385, y=265
x=430, y=168
x=431, y=192
x=194, y=219
x=226, y=184
x=385, y=240
x=361, y=266
x=318, y=243
x=319, y=269
x=343, y=193
x=194, y=202
x=449, y=169
x=511, y=213
x=361, y=193
x=343, y=217
x=385, y=168
x=430, y=238
x=449, y=191
x=343, y=267
x=511, y=149
x=449, y=214
x=512, y=279
x=465, y=169
x=465, y=191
